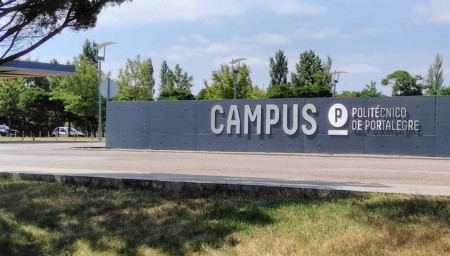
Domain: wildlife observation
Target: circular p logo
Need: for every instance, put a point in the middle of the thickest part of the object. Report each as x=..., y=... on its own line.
x=338, y=115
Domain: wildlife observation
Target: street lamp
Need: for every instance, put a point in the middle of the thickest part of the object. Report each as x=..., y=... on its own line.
x=232, y=62
x=335, y=79
x=99, y=61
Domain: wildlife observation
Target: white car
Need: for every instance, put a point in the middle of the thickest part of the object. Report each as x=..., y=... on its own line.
x=64, y=132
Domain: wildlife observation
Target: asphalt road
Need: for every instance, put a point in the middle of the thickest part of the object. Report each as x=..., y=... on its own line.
x=392, y=174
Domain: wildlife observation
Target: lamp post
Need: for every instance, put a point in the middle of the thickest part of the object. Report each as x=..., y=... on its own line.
x=335, y=79
x=99, y=61
x=232, y=62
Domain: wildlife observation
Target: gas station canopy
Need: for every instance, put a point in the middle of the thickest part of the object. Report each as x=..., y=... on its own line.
x=18, y=69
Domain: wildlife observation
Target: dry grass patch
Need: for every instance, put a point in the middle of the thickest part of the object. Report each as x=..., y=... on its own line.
x=50, y=219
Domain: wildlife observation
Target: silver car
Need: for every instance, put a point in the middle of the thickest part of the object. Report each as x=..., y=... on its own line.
x=4, y=130
x=64, y=132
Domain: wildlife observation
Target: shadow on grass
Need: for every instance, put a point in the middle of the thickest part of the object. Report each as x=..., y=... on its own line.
x=38, y=218
x=50, y=219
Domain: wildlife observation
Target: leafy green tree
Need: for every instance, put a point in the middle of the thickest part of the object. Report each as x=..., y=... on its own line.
x=327, y=64
x=349, y=94
x=222, y=85
x=38, y=112
x=312, y=91
x=28, y=24
x=136, y=82
x=370, y=90
x=10, y=91
x=311, y=78
x=163, y=75
x=89, y=51
x=202, y=93
x=278, y=69
x=280, y=91
x=322, y=78
x=34, y=104
x=445, y=91
x=309, y=64
x=39, y=82
x=181, y=79
x=257, y=93
x=435, y=77
x=176, y=94
x=79, y=93
x=403, y=84
x=175, y=84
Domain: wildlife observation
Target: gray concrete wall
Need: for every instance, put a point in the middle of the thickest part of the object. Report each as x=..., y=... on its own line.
x=424, y=126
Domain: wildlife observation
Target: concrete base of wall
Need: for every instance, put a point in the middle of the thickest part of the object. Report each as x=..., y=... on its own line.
x=188, y=188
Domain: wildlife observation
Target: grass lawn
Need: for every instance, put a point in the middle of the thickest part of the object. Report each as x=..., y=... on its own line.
x=38, y=218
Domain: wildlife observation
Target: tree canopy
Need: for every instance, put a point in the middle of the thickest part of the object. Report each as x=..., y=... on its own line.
x=175, y=84
x=10, y=91
x=176, y=78
x=309, y=64
x=136, y=82
x=222, y=85
x=311, y=79
x=28, y=24
x=89, y=51
x=278, y=69
x=403, y=84
x=176, y=94
x=163, y=75
x=79, y=93
x=369, y=91
x=435, y=77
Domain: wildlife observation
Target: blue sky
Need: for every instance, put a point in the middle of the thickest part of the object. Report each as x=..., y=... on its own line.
x=366, y=39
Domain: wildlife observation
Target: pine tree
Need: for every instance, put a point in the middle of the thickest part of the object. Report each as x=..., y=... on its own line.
x=278, y=69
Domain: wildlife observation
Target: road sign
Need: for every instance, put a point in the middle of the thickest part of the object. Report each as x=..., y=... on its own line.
x=109, y=89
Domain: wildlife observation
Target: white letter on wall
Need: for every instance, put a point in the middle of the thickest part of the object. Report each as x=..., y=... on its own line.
x=294, y=128
x=214, y=128
x=271, y=108
x=309, y=119
x=233, y=119
x=252, y=117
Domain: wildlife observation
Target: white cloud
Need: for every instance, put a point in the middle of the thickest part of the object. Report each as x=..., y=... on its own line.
x=217, y=48
x=358, y=68
x=318, y=34
x=179, y=53
x=283, y=7
x=257, y=62
x=432, y=12
x=160, y=11
x=200, y=39
x=197, y=38
x=198, y=45
x=163, y=11
x=266, y=39
x=252, y=62
x=373, y=31
x=282, y=39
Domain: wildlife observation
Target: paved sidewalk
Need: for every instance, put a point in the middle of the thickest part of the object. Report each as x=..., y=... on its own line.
x=391, y=174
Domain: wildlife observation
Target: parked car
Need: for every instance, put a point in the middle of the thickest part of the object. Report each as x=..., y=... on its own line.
x=64, y=132
x=4, y=130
